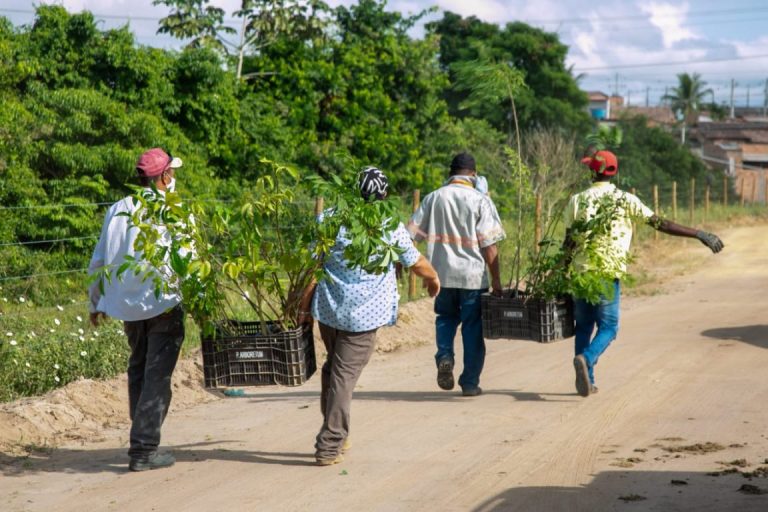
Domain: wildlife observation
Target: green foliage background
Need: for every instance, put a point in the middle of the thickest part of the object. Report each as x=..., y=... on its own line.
x=318, y=88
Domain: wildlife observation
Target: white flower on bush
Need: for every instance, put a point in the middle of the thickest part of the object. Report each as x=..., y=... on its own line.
x=14, y=342
x=59, y=307
x=96, y=333
x=9, y=334
x=56, y=378
x=83, y=353
x=79, y=318
x=56, y=366
x=52, y=330
x=81, y=331
x=32, y=334
x=57, y=321
x=81, y=338
x=5, y=299
x=28, y=365
x=22, y=300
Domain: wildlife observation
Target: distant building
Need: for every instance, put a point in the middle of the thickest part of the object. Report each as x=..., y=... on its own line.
x=739, y=149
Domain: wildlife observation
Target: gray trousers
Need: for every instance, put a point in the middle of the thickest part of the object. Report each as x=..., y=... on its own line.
x=155, y=345
x=348, y=353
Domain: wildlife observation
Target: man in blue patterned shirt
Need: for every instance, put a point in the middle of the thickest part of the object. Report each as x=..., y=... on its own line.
x=350, y=305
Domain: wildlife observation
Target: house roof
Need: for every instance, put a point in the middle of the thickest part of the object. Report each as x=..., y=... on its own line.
x=597, y=96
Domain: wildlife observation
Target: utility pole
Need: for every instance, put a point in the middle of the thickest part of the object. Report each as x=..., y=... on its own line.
x=647, y=94
x=733, y=85
x=629, y=97
x=616, y=85
x=664, y=98
x=765, y=107
x=747, y=95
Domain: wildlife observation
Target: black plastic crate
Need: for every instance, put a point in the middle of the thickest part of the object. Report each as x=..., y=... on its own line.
x=550, y=320
x=505, y=316
x=515, y=316
x=239, y=354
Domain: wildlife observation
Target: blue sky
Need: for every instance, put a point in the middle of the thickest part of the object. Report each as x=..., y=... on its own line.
x=620, y=45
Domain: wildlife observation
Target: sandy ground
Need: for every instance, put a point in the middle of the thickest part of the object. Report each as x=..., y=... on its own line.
x=679, y=423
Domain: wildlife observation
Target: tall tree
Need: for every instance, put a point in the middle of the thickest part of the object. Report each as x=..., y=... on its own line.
x=552, y=96
x=262, y=22
x=687, y=99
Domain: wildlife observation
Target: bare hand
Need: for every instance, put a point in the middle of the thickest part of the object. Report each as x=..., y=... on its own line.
x=496, y=290
x=97, y=317
x=305, y=319
x=433, y=286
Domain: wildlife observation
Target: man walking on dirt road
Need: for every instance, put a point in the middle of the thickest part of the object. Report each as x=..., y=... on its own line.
x=153, y=323
x=350, y=305
x=598, y=224
x=461, y=227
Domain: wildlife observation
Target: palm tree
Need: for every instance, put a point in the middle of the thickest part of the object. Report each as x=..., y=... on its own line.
x=687, y=98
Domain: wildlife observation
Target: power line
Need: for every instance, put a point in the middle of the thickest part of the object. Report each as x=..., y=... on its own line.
x=61, y=205
x=714, y=12
x=50, y=241
x=674, y=63
x=44, y=274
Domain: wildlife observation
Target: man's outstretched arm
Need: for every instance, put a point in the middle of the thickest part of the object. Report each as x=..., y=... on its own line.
x=671, y=228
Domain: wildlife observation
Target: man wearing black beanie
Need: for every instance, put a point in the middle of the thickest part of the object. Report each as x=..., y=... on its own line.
x=461, y=227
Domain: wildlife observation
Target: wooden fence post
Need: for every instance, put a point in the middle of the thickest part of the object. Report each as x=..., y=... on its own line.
x=765, y=186
x=706, y=204
x=741, y=189
x=674, y=201
x=656, y=208
x=411, y=275
x=693, y=200
x=725, y=190
x=537, y=233
x=318, y=206
x=754, y=187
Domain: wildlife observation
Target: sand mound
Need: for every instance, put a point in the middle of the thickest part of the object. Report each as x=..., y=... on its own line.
x=83, y=410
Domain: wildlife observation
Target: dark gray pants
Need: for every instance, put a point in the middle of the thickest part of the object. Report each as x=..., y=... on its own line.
x=155, y=345
x=348, y=353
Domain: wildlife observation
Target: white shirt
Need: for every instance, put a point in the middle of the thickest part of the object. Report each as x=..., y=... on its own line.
x=614, y=249
x=457, y=222
x=130, y=297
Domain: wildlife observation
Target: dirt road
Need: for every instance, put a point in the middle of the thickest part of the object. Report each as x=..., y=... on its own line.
x=683, y=393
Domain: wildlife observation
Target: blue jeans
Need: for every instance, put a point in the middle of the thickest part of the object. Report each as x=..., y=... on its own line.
x=604, y=315
x=455, y=306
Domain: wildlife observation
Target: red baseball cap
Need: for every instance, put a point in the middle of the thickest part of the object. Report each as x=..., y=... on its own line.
x=602, y=162
x=155, y=161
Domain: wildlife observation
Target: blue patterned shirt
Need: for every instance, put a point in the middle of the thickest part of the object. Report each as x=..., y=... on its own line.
x=351, y=299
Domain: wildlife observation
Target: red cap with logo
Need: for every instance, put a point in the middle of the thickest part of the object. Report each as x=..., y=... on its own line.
x=602, y=162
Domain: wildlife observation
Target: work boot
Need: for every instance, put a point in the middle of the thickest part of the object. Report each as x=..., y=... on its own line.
x=445, y=374
x=154, y=461
x=477, y=390
x=583, y=386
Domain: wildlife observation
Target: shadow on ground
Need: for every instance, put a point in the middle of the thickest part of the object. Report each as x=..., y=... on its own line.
x=639, y=491
x=115, y=460
x=410, y=396
x=753, y=334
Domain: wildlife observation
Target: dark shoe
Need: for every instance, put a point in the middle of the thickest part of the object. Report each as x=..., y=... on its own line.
x=582, y=375
x=154, y=461
x=472, y=391
x=445, y=374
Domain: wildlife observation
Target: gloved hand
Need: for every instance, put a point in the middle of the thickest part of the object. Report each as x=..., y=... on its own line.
x=710, y=240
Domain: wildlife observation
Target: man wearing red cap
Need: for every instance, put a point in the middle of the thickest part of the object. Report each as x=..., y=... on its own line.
x=153, y=323
x=603, y=251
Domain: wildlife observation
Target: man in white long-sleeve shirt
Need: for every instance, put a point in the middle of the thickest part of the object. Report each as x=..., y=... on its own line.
x=154, y=324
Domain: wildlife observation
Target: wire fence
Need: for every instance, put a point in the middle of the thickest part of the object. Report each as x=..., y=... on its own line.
x=671, y=200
